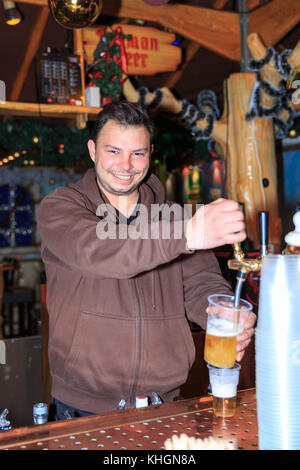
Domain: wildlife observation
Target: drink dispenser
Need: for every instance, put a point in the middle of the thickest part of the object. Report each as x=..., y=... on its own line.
x=277, y=344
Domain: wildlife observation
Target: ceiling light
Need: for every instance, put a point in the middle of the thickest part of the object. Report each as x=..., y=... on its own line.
x=12, y=14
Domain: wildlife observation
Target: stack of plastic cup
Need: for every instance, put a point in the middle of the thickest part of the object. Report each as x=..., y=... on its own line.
x=278, y=354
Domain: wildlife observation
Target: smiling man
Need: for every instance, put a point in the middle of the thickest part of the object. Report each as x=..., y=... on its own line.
x=121, y=154
x=119, y=306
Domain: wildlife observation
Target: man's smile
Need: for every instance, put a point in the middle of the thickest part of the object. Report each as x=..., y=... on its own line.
x=123, y=178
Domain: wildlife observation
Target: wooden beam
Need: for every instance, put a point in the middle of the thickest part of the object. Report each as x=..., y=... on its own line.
x=17, y=108
x=251, y=4
x=259, y=51
x=274, y=20
x=216, y=30
x=42, y=3
x=219, y=4
x=269, y=72
x=32, y=48
x=191, y=51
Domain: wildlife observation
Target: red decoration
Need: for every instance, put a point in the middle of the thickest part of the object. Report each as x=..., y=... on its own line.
x=106, y=100
x=122, y=61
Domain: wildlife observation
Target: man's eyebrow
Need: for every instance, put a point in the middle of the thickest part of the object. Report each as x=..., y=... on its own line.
x=112, y=147
x=118, y=148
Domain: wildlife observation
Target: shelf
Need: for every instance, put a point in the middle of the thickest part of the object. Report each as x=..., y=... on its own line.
x=16, y=108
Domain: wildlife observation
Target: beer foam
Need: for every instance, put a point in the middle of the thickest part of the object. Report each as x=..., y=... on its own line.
x=223, y=390
x=222, y=327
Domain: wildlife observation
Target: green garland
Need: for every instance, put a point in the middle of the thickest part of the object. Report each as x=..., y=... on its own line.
x=61, y=146
x=35, y=144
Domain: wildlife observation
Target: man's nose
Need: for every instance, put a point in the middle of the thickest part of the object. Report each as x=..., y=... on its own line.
x=125, y=161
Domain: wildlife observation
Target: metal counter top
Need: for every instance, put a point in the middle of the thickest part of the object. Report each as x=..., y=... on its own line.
x=142, y=429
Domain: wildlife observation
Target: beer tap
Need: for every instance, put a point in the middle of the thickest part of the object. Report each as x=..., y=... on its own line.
x=245, y=265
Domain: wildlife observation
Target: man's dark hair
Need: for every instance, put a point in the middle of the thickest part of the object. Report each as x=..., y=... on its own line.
x=124, y=113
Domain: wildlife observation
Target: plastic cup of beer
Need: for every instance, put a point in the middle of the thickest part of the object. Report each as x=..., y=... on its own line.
x=224, y=323
x=224, y=383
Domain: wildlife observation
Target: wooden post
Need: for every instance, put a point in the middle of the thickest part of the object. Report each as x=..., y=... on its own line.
x=81, y=119
x=78, y=49
x=251, y=159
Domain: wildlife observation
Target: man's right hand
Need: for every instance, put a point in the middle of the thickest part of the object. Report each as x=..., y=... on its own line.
x=219, y=223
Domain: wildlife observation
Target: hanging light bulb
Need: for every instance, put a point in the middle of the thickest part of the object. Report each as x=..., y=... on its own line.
x=75, y=13
x=293, y=134
x=12, y=14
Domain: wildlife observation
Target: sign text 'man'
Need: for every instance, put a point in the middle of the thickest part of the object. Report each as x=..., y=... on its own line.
x=144, y=43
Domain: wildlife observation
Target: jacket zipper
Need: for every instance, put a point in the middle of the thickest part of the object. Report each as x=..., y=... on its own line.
x=139, y=350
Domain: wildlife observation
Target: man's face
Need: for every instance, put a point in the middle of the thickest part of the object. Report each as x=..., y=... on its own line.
x=121, y=156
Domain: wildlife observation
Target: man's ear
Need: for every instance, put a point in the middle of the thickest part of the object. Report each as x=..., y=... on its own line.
x=151, y=150
x=92, y=149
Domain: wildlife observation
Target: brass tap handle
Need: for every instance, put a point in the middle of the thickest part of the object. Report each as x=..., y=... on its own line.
x=245, y=265
x=238, y=252
x=242, y=264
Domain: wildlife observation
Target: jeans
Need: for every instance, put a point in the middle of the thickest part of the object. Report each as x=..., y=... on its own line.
x=61, y=411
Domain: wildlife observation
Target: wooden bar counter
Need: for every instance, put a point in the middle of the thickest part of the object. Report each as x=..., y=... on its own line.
x=142, y=429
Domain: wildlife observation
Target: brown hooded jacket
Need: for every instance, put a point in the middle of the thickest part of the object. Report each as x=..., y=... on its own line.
x=118, y=309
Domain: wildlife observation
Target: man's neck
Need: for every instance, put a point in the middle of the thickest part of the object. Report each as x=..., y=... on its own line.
x=124, y=204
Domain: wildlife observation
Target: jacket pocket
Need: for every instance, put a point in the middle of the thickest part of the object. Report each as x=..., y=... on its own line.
x=101, y=358
x=168, y=354
x=110, y=297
